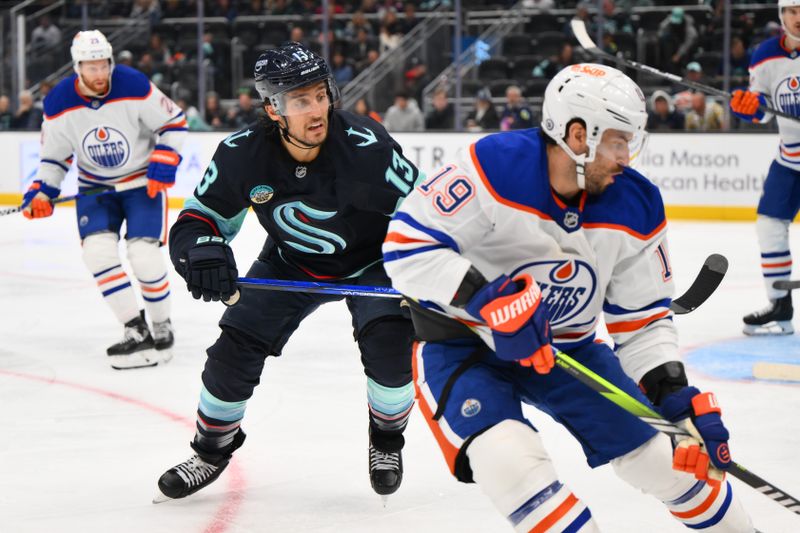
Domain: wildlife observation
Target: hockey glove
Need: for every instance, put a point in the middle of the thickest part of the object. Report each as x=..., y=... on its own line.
x=210, y=270
x=744, y=105
x=700, y=415
x=514, y=311
x=161, y=171
x=36, y=203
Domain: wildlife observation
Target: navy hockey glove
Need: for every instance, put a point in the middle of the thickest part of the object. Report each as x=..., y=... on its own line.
x=210, y=270
x=36, y=203
x=161, y=171
x=513, y=309
x=699, y=414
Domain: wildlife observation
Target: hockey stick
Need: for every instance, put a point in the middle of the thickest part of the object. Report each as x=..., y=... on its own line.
x=776, y=371
x=647, y=415
x=786, y=285
x=706, y=282
x=582, y=35
x=119, y=187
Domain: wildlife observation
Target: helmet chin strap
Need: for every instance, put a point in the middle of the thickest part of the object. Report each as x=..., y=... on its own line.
x=291, y=139
x=580, y=161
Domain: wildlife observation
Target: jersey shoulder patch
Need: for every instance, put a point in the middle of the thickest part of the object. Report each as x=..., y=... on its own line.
x=513, y=167
x=358, y=131
x=631, y=204
x=63, y=97
x=769, y=49
x=127, y=82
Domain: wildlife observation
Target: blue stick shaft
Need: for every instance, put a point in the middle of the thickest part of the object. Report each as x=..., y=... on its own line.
x=317, y=287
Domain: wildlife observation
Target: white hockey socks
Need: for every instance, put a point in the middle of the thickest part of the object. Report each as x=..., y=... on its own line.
x=511, y=466
x=776, y=259
x=150, y=269
x=101, y=256
x=694, y=503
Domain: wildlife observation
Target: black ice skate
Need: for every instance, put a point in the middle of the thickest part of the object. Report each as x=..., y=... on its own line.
x=136, y=349
x=199, y=471
x=385, y=471
x=163, y=335
x=775, y=319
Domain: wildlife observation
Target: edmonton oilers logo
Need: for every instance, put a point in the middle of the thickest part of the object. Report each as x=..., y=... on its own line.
x=470, y=407
x=787, y=95
x=106, y=147
x=567, y=286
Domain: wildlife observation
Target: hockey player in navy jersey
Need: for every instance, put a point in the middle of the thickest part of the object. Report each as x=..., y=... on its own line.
x=774, y=81
x=119, y=127
x=519, y=247
x=323, y=183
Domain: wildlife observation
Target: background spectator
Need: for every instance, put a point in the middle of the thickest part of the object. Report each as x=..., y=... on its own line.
x=342, y=70
x=662, y=114
x=677, y=36
x=442, y=116
x=125, y=58
x=363, y=108
x=243, y=113
x=682, y=100
x=215, y=116
x=27, y=116
x=404, y=115
x=706, y=114
x=516, y=115
x=484, y=116
x=45, y=36
x=5, y=113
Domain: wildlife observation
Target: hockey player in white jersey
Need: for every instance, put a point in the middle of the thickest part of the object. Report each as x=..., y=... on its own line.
x=523, y=243
x=774, y=81
x=119, y=127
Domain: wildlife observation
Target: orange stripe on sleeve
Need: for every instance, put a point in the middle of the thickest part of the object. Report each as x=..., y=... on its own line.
x=775, y=265
x=402, y=239
x=633, y=325
x=556, y=515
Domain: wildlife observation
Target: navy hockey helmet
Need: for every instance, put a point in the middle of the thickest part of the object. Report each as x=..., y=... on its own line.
x=287, y=68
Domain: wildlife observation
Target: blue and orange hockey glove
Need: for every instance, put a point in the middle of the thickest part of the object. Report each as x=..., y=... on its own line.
x=514, y=311
x=744, y=105
x=37, y=201
x=161, y=171
x=706, y=453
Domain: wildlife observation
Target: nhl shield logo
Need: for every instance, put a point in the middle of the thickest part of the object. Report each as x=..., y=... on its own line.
x=571, y=219
x=106, y=147
x=261, y=194
x=300, y=172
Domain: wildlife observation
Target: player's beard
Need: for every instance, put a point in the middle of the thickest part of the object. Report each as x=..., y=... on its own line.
x=311, y=137
x=597, y=178
x=97, y=87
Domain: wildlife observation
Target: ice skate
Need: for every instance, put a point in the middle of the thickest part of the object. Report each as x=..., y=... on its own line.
x=385, y=471
x=199, y=471
x=136, y=349
x=775, y=319
x=163, y=336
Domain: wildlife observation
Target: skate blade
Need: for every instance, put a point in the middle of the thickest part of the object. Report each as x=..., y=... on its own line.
x=770, y=328
x=143, y=359
x=161, y=498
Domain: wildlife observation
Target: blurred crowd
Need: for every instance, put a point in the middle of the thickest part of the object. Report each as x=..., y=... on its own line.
x=687, y=43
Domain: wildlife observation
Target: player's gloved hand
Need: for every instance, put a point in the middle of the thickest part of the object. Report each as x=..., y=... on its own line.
x=36, y=202
x=744, y=105
x=706, y=453
x=514, y=311
x=210, y=270
x=161, y=171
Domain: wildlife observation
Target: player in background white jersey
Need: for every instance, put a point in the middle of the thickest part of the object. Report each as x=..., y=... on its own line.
x=119, y=127
x=775, y=81
x=563, y=230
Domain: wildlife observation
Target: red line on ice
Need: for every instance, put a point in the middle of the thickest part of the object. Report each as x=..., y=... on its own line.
x=230, y=507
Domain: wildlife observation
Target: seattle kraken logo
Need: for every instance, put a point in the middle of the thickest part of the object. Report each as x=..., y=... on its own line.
x=567, y=285
x=106, y=147
x=787, y=95
x=295, y=219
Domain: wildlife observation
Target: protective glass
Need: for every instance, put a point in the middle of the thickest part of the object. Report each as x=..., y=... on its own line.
x=622, y=147
x=309, y=99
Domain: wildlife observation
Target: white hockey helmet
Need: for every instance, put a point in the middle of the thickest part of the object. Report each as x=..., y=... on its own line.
x=90, y=45
x=787, y=3
x=603, y=98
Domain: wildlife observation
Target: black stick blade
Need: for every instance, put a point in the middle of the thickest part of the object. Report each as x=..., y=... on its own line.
x=786, y=285
x=704, y=285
